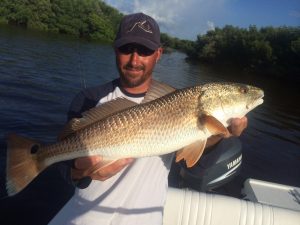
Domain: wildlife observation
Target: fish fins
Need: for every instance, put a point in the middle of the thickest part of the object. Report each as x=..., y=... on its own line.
x=95, y=114
x=214, y=126
x=157, y=90
x=22, y=164
x=191, y=153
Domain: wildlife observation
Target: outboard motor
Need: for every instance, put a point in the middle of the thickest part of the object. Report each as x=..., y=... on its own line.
x=217, y=166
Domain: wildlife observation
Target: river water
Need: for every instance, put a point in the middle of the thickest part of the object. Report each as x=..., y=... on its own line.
x=40, y=74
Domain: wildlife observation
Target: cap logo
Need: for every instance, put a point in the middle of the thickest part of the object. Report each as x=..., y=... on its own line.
x=143, y=25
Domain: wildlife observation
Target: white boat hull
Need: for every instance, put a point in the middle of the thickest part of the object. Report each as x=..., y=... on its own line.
x=186, y=207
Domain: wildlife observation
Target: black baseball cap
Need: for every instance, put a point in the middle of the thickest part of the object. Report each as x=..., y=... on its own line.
x=138, y=28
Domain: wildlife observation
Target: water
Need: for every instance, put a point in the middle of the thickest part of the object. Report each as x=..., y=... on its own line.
x=40, y=74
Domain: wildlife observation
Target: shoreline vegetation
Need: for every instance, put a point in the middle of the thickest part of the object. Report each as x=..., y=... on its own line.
x=265, y=51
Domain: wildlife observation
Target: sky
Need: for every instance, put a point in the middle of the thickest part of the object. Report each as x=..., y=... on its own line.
x=186, y=19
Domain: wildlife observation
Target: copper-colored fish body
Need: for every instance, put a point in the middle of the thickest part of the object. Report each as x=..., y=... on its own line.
x=181, y=119
x=154, y=128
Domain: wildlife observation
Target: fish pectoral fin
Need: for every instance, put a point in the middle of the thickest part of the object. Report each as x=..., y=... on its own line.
x=214, y=126
x=95, y=114
x=157, y=90
x=191, y=153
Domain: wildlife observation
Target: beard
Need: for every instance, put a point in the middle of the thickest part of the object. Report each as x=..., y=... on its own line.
x=131, y=81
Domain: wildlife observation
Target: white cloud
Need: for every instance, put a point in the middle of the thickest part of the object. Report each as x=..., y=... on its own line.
x=210, y=25
x=183, y=19
x=295, y=14
x=165, y=12
x=124, y=6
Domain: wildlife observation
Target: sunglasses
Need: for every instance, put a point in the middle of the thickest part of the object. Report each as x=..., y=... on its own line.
x=139, y=49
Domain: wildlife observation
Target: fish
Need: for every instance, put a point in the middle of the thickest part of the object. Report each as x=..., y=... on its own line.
x=167, y=121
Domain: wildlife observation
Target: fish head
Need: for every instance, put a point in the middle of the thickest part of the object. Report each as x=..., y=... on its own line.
x=225, y=101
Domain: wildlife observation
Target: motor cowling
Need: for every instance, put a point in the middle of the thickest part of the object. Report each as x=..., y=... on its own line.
x=216, y=167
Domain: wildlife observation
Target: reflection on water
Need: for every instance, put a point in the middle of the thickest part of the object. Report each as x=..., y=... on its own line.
x=41, y=74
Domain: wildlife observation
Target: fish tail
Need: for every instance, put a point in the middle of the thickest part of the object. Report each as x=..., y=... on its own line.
x=22, y=164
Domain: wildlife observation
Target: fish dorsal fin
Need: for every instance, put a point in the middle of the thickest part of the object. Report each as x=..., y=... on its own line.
x=191, y=153
x=214, y=126
x=95, y=114
x=157, y=90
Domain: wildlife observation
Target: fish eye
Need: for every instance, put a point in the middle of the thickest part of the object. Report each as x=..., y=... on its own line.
x=244, y=90
x=34, y=149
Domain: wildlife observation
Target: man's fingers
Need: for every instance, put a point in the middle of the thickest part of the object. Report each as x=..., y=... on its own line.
x=111, y=169
x=86, y=162
x=77, y=174
x=86, y=166
x=238, y=125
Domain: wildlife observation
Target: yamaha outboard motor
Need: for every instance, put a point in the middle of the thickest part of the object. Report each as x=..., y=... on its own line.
x=216, y=167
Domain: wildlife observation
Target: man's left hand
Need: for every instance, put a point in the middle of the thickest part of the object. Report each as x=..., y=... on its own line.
x=237, y=126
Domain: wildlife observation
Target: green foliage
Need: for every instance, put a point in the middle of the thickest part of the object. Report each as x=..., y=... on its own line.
x=268, y=48
x=263, y=50
x=175, y=43
x=295, y=46
x=83, y=18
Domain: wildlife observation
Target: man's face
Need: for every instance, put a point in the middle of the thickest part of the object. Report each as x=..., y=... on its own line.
x=136, y=63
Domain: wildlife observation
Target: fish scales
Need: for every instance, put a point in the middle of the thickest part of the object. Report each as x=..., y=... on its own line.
x=132, y=133
x=183, y=119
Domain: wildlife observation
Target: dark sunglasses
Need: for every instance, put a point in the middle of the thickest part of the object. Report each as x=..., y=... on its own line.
x=139, y=49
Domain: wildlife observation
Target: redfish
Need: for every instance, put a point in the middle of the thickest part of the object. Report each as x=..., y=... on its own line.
x=181, y=120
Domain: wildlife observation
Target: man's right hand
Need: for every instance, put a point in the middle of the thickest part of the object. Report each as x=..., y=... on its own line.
x=83, y=167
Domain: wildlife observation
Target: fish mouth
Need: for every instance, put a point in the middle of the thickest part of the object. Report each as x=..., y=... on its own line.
x=258, y=101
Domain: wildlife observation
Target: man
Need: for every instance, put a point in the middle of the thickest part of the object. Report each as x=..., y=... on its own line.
x=128, y=191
